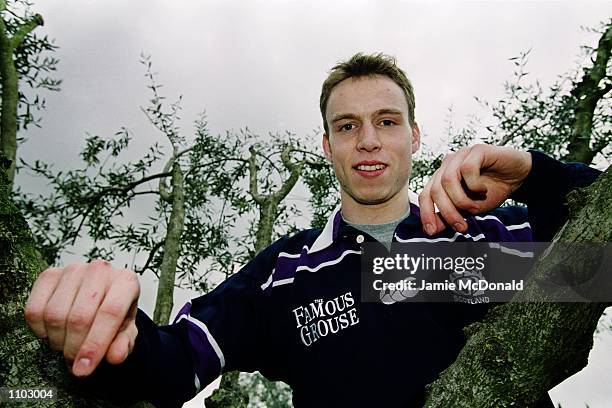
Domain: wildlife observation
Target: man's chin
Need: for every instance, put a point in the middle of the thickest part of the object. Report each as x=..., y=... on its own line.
x=371, y=197
x=371, y=200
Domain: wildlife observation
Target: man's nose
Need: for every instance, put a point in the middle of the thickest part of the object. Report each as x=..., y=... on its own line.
x=369, y=139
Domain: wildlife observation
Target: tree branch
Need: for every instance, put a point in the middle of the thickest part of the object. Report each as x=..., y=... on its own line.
x=11, y=12
x=163, y=189
x=126, y=188
x=524, y=348
x=145, y=192
x=75, y=233
x=144, y=180
x=172, y=245
x=306, y=152
x=268, y=205
x=25, y=29
x=294, y=174
x=253, y=189
x=271, y=162
x=95, y=200
x=150, y=259
x=587, y=94
x=225, y=159
x=182, y=152
x=508, y=138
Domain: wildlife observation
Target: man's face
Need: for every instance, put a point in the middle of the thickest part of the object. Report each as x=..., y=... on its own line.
x=370, y=140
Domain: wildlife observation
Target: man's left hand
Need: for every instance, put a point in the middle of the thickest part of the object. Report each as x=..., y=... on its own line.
x=474, y=179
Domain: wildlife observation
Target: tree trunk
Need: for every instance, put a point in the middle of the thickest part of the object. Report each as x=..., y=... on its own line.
x=588, y=93
x=172, y=246
x=522, y=350
x=230, y=393
x=26, y=361
x=10, y=101
x=268, y=213
x=10, y=92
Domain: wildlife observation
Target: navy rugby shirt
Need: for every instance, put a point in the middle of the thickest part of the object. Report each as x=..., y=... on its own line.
x=267, y=316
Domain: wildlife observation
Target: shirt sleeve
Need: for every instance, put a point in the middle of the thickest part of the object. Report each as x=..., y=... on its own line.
x=223, y=330
x=545, y=189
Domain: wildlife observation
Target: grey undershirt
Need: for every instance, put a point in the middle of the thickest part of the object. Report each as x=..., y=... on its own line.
x=383, y=233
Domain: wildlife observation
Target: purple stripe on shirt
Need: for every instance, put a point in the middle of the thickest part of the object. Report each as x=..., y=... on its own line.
x=337, y=222
x=286, y=267
x=523, y=234
x=496, y=231
x=414, y=209
x=493, y=230
x=184, y=311
x=206, y=361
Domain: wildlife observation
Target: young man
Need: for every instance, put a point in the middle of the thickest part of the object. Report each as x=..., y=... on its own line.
x=294, y=312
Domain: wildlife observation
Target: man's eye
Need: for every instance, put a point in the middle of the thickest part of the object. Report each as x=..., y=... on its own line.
x=387, y=122
x=346, y=127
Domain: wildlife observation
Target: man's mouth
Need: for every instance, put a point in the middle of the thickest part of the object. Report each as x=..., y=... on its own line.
x=365, y=167
x=370, y=169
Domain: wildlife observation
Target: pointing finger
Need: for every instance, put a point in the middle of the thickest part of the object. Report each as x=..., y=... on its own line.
x=448, y=211
x=432, y=223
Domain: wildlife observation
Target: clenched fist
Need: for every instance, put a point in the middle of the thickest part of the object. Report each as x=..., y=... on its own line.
x=474, y=179
x=87, y=311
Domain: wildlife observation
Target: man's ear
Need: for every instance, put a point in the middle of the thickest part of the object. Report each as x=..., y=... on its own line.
x=327, y=147
x=416, y=137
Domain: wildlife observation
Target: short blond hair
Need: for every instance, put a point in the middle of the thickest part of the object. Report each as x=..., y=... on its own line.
x=360, y=65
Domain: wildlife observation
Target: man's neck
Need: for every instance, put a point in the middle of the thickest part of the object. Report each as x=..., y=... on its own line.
x=382, y=213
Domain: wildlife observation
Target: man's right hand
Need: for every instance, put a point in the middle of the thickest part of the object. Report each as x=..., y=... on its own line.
x=87, y=311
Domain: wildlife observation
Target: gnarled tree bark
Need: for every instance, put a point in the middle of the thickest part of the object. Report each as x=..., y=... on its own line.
x=521, y=350
x=588, y=92
x=26, y=361
x=10, y=93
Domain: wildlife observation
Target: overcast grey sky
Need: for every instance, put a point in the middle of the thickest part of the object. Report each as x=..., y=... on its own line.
x=260, y=64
